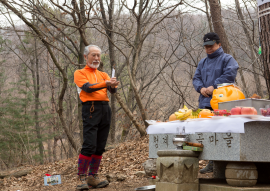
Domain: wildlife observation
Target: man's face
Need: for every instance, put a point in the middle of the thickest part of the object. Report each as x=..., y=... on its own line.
x=93, y=58
x=209, y=49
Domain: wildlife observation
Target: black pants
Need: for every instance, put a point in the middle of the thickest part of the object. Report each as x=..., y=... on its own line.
x=96, y=126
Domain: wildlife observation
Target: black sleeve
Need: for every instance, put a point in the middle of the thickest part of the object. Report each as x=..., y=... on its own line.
x=112, y=90
x=87, y=87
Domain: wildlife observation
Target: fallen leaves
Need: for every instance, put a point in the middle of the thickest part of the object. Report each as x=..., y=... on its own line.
x=122, y=160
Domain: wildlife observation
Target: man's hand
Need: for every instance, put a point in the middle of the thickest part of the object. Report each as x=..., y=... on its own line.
x=203, y=92
x=113, y=83
x=210, y=90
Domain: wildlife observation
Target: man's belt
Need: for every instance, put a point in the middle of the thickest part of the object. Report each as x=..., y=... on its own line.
x=96, y=103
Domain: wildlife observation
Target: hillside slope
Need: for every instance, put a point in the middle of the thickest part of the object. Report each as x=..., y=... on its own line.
x=123, y=161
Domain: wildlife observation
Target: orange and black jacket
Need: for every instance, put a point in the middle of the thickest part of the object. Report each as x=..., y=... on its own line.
x=91, y=84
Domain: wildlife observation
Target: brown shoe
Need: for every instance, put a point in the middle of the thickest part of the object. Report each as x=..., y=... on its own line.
x=84, y=185
x=95, y=182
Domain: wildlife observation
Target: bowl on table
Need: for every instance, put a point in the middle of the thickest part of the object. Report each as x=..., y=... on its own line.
x=265, y=112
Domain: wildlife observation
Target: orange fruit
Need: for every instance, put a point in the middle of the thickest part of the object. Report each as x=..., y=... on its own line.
x=172, y=117
x=205, y=113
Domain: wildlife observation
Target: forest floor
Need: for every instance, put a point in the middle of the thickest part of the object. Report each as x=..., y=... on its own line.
x=123, y=160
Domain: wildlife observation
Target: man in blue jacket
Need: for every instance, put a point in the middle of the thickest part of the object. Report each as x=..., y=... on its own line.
x=217, y=68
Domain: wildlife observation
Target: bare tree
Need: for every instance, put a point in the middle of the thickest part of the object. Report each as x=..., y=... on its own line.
x=47, y=44
x=251, y=47
x=264, y=30
x=145, y=15
x=218, y=24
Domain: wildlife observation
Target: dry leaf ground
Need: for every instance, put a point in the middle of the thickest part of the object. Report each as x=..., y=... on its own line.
x=124, y=160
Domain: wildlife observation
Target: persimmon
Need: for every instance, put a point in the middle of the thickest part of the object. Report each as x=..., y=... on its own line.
x=173, y=117
x=205, y=113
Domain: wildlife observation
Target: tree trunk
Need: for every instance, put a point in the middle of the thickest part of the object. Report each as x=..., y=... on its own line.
x=127, y=123
x=240, y=70
x=109, y=28
x=113, y=119
x=53, y=107
x=265, y=42
x=69, y=122
x=81, y=62
x=113, y=65
x=137, y=95
x=35, y=76
x=136, y=55
x=250, y=42
x=208, y=15
x=219, y=29
x=215, y=10
x=133, y=119
x=81, y=65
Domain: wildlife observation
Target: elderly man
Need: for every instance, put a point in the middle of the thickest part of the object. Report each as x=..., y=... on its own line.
x=92, y=87
x=216, y=68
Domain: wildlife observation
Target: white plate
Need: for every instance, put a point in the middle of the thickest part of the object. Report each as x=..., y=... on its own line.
x=247, y=116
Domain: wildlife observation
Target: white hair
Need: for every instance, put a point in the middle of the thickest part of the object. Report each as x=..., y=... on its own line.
x=87, y=49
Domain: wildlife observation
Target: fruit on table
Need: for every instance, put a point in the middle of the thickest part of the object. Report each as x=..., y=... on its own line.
x=255, y=96
x=172, y=117
x=184, y=113
x=265, y=111
x=255, y=111
x=236, y=111
x=224, y=112
x=205, y=113
x=248, y=111
x=195, y=113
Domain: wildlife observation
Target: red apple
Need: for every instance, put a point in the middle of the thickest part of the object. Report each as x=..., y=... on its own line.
x=236, y=111
x=255, y=111
x=248, y=111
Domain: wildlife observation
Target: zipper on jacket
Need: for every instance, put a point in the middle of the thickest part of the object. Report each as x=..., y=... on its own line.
x=95, y=76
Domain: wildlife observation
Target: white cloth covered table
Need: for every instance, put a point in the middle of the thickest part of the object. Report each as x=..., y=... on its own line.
x=224, y=125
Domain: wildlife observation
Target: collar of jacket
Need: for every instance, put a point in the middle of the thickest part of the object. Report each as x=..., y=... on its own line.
x=216, y=53
x=87, y=67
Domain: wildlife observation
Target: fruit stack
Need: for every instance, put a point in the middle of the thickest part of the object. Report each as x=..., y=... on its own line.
x=195, y=113
x=243, y=111
x=265, y=112
x=219, y=112
x=183, y=114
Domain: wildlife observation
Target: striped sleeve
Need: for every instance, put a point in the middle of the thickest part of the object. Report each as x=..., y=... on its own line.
x=82, y=82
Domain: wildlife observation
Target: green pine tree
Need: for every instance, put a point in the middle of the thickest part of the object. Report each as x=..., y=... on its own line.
x=18, y=140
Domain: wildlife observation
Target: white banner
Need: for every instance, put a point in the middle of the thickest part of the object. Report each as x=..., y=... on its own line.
x=201, y=125
x=261, y=2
